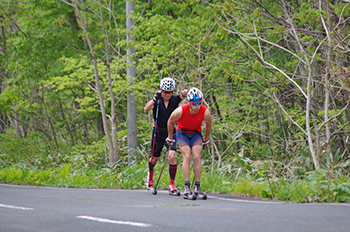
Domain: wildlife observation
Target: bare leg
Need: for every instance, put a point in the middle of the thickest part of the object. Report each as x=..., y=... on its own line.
x=197, y=162
x=154, y=160
x=186, y=161
x=172, y=157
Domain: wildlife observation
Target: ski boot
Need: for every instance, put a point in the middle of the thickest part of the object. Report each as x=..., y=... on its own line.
x=172, y=190
x=198, y=193
x=188, y=194
x=149, y=182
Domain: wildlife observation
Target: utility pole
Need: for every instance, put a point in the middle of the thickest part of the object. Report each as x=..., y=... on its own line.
x=132, y=137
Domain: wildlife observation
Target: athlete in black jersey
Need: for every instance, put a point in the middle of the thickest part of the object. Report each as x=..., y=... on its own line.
x=163, y=104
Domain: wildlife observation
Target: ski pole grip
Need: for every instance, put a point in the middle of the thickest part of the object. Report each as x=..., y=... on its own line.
x=170, y=140
x=205, y=141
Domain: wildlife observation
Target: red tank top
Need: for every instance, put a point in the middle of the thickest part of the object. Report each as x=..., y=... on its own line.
x=191, y=122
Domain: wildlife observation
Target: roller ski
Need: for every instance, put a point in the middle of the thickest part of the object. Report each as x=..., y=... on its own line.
x=198, y=193
x=149, y=183
x=153, y=190
x=172, y=190
x=188, y=194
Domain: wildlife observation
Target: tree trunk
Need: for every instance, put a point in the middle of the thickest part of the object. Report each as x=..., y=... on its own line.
x=114, y=156
x=112, y=150
x=132, y=128
x=326, y=83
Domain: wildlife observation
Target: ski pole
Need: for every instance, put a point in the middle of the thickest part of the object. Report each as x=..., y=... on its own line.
x=154, y=138
x=160, y=174
x=155, y=129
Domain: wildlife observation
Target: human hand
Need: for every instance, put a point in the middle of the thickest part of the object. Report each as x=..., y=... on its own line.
x=184, y=93
x=157, y=96
x=170, y=141
x=205, y=141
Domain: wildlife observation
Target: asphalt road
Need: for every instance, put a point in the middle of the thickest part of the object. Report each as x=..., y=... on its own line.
x=32, y=208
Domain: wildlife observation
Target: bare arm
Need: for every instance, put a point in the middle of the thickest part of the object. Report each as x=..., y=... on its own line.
x=172, y=120
x=208, y=122
x=149, y=106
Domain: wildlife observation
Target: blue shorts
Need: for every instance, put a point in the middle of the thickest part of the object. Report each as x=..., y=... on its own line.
x=189, y=139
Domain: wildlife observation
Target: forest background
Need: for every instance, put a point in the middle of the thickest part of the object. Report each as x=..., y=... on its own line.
x=274, y=74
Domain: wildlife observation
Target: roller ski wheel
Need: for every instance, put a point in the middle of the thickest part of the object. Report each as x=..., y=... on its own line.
x=190, y=197
x=153, y=190
x=174, y=192
x=202, y=196
x=199, y=194
x=188, y=194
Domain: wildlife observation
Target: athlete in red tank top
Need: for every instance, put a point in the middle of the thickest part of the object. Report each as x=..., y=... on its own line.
x=189, y=118
x=191, y=122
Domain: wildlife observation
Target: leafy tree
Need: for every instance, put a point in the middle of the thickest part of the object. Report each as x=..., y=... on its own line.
x=297, y=32
x=274, y=74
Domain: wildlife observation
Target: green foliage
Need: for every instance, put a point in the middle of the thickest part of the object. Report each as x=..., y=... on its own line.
x=48, y=96
x=15, y=150
x=255, y=182
x=91, y=156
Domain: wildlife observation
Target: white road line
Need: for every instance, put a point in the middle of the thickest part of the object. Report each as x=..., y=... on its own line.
x=278, y=202
x=15, y=207
x=247, y=201
x=139, y=224
x=238, y=200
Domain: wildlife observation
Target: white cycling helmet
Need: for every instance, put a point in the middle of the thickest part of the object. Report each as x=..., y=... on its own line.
x=167, y=84
x=194, y=95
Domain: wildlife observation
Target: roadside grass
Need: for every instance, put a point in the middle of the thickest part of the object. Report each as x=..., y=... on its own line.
x=313, y=188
